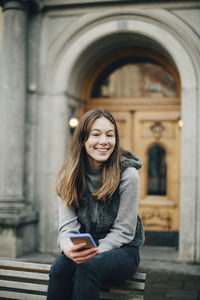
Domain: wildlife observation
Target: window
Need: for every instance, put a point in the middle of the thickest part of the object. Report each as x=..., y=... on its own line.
x=134, y=77
x=157, y=171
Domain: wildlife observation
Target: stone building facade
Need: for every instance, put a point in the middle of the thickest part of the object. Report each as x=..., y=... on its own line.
x=47, y=50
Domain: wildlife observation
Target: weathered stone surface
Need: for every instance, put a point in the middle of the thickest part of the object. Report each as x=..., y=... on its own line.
x=17, y=218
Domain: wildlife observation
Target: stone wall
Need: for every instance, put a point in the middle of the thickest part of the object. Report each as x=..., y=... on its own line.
x=1, y=22
x=18, y=217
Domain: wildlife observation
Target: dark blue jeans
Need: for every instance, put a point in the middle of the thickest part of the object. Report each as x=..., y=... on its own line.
x=71, y=281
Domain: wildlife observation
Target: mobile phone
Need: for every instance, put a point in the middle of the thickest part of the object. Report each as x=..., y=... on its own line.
x=83, y=238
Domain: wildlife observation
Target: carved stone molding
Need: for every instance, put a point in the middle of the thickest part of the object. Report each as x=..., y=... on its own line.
x=31, y=5
x=156, y=219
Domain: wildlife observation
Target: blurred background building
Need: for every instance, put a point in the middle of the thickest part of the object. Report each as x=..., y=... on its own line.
x=138, y=59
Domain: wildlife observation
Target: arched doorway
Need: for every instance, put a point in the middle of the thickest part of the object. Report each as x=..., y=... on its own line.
x=142, y=90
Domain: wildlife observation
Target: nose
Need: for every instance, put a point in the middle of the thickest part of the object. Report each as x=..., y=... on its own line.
x=104, y=139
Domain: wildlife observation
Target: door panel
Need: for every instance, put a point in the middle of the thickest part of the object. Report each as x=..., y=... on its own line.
x=159, y=212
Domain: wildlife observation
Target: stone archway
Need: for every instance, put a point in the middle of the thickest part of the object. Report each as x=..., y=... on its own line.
x=68, y=63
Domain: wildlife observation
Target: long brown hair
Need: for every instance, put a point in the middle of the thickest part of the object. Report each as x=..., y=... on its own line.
x=70, y=182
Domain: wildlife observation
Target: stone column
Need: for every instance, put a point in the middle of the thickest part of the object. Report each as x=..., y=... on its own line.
x=17, y=217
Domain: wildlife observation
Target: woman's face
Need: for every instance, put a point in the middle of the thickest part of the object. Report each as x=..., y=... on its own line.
x=101, y=142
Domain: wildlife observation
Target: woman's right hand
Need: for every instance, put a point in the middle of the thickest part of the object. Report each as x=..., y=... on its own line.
x=79, y=256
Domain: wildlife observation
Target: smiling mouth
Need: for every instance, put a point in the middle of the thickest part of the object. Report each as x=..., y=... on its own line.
x=103, y=150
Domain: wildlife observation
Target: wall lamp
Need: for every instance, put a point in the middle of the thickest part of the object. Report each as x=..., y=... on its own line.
x=180, y=122
x=73, y=123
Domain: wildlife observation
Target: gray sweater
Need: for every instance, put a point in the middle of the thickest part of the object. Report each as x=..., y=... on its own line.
x=123, y=229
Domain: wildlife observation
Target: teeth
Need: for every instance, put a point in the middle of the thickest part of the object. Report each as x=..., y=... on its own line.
x=102, y=150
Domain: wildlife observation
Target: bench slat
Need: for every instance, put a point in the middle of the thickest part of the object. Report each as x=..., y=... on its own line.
x=24, y=275
x=43, y=288
x=23, y=286
x=139, y=276
x=20, y=296
x=44, y=267
x=103, y=295
x=13, y=264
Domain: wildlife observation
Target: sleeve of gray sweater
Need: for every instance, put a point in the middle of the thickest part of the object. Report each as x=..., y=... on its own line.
x=68, y=223
x=123, y=229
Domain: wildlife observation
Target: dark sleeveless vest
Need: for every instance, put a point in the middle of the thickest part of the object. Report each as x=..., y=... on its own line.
x=97, y=217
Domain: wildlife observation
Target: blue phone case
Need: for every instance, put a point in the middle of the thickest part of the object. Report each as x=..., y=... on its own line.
x=83, y=237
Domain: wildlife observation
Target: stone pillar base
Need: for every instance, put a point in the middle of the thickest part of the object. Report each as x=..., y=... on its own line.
x=18, y=231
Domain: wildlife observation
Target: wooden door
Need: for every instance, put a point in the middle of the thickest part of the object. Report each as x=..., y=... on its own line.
x=159, y=205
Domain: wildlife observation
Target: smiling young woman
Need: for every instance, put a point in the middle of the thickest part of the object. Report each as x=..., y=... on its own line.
x=101, y=142
x=98, y=188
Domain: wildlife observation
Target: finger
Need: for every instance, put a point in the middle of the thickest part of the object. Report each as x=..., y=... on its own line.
x=87, y=256
x=78, y=247
x=87, y=252
x=80, y=260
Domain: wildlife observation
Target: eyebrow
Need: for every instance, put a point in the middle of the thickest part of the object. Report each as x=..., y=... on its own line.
x=100, y=130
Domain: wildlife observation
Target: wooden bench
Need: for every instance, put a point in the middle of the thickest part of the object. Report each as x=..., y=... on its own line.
x=28, y=281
